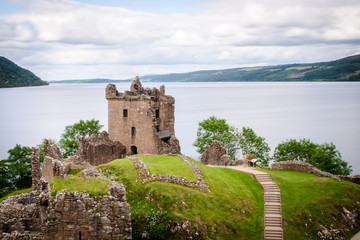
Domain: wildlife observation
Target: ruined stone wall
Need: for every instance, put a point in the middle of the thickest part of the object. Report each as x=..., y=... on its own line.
x=76, y=215
x=215, y=154
x=307, y=167
x=302, y=167
x=99, y=149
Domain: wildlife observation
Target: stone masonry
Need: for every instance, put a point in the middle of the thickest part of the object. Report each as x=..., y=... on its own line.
x=67, y=215
x=99, y=149
x=215, y=154
x=142, y=119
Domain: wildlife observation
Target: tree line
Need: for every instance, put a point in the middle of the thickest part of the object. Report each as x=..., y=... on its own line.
x=15, y=171
x=322, y=156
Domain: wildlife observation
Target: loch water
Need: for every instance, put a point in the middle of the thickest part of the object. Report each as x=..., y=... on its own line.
x=322, y=112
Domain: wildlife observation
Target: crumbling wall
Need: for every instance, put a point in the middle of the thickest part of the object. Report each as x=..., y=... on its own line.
x=99, y=149
x=20, y=217
x=302, y=167
x=76, y=215
x=215, y=154
x=307, y=167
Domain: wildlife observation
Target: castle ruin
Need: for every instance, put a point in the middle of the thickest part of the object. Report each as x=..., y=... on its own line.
x=142, y=119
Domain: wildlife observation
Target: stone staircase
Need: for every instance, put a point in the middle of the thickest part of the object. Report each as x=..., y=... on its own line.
x=273, y=218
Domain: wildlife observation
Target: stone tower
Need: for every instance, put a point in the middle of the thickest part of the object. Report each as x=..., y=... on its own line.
x=142, y=119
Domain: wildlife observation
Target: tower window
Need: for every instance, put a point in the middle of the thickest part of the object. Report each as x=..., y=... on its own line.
x=157, y=113
x=133, y=131
x=125, y=113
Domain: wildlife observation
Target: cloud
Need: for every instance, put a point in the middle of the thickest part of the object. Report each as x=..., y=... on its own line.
x=48, y=35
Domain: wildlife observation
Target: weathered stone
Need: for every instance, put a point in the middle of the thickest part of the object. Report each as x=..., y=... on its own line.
x=142, y=119
x=53, y=167
x=98, y=149
x=51, y=150
x=215, y=154
x=91, y=173
x=35, y=169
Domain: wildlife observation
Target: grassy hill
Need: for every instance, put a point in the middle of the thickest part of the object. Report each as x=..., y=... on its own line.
x=346, y=69
x=11, y=75
x=234, y=210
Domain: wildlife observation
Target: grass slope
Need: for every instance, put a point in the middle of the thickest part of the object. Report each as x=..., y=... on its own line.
x=309, y=200
x=233, y=211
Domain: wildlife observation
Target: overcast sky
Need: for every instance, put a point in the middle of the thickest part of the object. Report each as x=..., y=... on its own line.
x=118, y=39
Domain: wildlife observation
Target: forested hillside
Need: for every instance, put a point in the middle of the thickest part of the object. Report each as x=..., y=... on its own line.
x=11, y=75
x=346, y=69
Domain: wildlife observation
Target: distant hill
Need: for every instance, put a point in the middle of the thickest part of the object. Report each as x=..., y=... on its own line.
x=346, y=69
x=95, y=80
x=11, y=75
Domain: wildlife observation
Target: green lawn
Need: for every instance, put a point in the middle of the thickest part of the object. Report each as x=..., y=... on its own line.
x=309, y=200
x=235, y=210
x=168, y=165
x=16, y=192
x=93, y=186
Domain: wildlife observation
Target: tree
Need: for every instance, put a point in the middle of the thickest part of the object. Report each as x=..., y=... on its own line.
x=69, y=142
x=217, y=129
x=322, y=156
x=255, y=145
x=19, y=167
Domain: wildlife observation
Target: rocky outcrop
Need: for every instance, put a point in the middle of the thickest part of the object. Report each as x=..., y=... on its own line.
x=215, y=154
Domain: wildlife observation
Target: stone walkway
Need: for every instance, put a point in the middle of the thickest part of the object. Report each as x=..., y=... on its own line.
x=273, y=218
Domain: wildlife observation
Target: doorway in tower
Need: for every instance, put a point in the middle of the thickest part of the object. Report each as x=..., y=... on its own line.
x=133, y=150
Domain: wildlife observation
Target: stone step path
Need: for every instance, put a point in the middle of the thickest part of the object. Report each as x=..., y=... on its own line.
x=273, y=218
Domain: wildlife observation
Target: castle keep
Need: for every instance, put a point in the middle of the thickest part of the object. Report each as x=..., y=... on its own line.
x=142, y=119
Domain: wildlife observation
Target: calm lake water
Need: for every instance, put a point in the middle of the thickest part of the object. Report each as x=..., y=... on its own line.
x=322, y=112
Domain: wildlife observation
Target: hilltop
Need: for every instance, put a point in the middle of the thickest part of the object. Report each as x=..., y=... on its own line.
x=346, y=69
x=11, y=75
x=234, y=209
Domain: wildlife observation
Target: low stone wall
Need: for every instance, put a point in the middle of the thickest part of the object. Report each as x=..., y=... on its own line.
x=68, y=215
x=76, y=215
x=145, y=176
x=302, y=167
x=20, y=217
x=354, y=179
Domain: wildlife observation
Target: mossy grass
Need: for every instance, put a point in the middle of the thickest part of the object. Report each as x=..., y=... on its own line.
x=168, y=165
x=234, y=210
x=308, y=200
x=93, y=186
x=16, y=192
x=75, y=172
